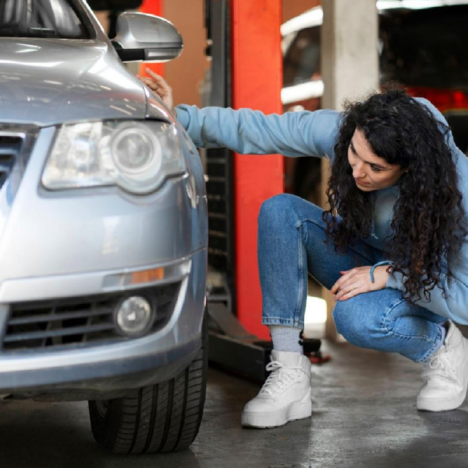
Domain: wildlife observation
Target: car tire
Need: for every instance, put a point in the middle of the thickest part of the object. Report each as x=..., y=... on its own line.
x=164, y=417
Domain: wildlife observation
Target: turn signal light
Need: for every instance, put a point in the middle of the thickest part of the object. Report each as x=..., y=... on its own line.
x=147, y=276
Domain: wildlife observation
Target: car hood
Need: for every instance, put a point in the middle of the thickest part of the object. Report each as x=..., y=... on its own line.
x=49, y=81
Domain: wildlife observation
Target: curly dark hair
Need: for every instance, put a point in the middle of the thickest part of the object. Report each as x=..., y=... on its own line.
x=427, y=225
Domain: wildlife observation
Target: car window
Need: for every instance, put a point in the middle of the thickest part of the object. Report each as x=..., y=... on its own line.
x=42, y=18
x=302, y=59
x=425, y=47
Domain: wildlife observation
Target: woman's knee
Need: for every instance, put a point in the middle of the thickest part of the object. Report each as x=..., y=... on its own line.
x=276, y=209
x=284, y=208
x=356, y=322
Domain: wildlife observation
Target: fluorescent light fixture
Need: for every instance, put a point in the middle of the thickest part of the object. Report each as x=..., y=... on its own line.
x=417, y=4
x=314, y=17
x=302, y=92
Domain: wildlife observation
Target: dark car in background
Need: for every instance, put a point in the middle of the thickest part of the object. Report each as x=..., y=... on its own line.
x=422, y=44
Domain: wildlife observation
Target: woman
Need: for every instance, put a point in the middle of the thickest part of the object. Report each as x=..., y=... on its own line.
x=392, y=246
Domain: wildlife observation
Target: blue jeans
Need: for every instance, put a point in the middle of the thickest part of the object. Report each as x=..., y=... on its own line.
x=291, y=245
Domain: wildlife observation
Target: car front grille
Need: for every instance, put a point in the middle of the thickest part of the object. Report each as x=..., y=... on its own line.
x=16, y=145
x=10, y=147
x=59, y=324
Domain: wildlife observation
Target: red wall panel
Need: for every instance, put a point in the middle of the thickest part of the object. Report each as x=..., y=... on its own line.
x=257, y=82
x=152, y=7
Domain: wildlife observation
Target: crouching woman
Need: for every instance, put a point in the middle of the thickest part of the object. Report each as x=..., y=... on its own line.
x=392, y=246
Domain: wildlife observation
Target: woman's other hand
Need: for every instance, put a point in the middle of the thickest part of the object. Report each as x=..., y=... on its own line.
x=159, y=85
x=358, y=281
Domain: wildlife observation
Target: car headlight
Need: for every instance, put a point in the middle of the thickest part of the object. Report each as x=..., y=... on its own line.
x=137, y=156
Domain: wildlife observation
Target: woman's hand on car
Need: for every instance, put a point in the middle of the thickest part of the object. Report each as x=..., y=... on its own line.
x=358, y=281
x=159, y=85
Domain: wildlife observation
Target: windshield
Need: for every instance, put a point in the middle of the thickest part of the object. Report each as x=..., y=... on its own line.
x=42, y=18
x=425, y=47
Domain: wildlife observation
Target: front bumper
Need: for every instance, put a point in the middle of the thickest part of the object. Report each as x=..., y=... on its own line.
x=102, y=380
x=89, y=371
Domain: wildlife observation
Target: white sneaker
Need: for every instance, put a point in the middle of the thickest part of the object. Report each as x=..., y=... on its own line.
x=446, y=374
x=286, y=394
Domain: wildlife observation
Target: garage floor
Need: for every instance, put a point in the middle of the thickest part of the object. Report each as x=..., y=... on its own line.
x=364, y=416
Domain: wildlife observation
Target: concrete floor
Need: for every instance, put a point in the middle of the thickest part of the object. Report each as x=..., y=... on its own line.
x=364, y=416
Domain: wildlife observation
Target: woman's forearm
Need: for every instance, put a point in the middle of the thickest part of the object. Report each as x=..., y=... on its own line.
x=247, y=131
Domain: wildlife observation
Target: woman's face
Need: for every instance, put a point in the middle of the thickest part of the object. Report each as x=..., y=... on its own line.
x=370, y=172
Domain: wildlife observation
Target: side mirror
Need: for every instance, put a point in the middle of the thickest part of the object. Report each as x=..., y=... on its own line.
x=146, y=38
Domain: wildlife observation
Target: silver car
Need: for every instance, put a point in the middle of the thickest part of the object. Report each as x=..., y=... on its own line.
x=103, y=228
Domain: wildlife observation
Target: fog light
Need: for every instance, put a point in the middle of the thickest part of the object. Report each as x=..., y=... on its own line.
x=135, y=316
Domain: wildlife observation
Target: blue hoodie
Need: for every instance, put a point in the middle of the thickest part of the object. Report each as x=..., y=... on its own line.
x=305, y=133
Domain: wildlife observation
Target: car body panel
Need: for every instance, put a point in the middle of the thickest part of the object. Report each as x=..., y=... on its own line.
x=104, y=226
x=182, y=332
x=40, y=85
x=62, y=244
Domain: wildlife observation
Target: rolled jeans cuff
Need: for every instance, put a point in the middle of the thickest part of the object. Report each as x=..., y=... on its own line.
x=288, y=322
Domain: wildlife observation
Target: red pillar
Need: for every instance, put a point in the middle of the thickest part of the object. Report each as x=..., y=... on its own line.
x=152, y=7
x=257, y=81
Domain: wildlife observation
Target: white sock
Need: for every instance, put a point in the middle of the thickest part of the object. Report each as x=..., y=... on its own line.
x=286, y=338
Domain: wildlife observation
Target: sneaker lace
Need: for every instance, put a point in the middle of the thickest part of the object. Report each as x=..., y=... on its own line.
x=439, y=365
x=280, y=377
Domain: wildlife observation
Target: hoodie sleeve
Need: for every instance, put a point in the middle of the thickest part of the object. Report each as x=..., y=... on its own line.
x=246, y=131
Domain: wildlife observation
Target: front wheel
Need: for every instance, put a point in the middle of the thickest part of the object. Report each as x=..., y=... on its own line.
x=158, y=418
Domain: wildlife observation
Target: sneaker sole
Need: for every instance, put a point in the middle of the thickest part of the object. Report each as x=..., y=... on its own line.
x=426, y=404
x=301, y=410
